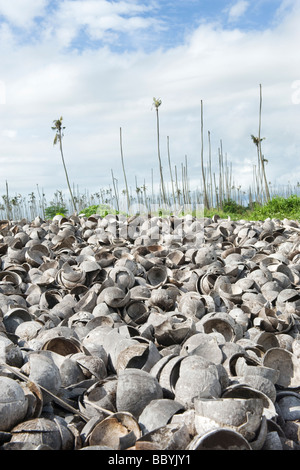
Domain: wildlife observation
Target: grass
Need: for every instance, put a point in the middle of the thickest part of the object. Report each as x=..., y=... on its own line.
x=101, y=209
x=277, y=208
x=102, y=203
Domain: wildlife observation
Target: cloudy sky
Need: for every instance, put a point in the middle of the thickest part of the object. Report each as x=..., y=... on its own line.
x=99, y=63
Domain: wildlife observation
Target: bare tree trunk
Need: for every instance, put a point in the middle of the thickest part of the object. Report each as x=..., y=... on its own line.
x=115, y=190
x=260, y=152
x=206, y=203
x=66, y=173
x=122, y=158
x=210, y=174
x=159, y=159
x=170, y=169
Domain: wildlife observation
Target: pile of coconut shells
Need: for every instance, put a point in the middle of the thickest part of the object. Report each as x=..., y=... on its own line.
x=149, y=333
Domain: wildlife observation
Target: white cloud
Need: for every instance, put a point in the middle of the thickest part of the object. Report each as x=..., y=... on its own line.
x=10, y=133
x=100, y=19
x=2, y=92
x=21, y=13
x=237, y=10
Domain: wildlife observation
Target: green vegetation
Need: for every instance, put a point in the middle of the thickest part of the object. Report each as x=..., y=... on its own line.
x=101, y=209
x=278, y=208
x=51, y=211
x=18, y=207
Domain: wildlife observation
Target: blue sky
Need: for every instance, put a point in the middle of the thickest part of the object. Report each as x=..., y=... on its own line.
x=166, y=23
x=100, y=63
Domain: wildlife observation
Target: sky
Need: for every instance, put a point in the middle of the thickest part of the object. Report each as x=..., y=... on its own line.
x=99, y=63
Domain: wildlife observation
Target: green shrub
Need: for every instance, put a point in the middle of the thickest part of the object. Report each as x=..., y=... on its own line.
x=232, y=207
x=278, y=207
x=53, y=210
x=229, y=208
x=101, y=209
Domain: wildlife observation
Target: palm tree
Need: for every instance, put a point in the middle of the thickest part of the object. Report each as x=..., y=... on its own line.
x=58, y=127
x=157, y=102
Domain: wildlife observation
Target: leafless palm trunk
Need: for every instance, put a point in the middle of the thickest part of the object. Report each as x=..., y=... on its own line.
x=206, y=203
x=262, y=161
x=123, y=166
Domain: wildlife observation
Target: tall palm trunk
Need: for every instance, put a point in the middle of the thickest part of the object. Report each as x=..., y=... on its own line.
x=58, y=137
x=157, y=103
x=206, y=203
x=123, y=166
x=262, y=161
